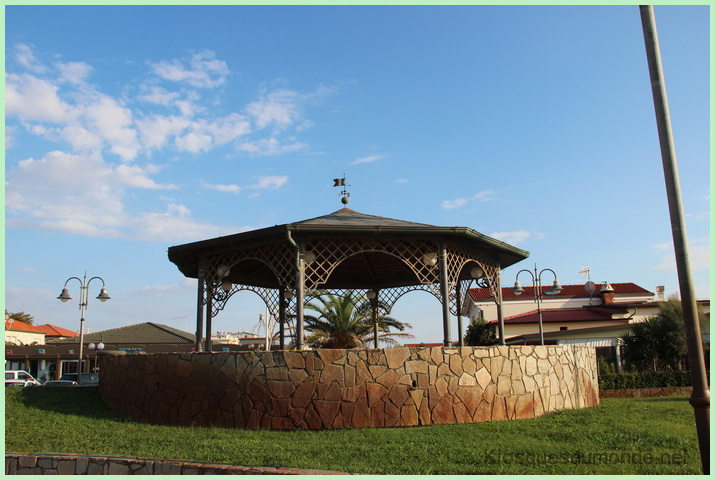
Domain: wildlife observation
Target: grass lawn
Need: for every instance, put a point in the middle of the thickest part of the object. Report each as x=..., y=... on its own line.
x=621, y=436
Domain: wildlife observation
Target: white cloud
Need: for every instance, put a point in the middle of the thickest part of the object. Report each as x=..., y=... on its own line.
x=176, y=225
x=159, y=96
x=156, y=130
x=74, y=72
x=33, y=99
x=201, y=70
x=453, y=204
x=271, y=182
x=483, y=196
x=26, y=58
x=270, y=146
x=73, y=193
x=369, y=159
x=279, y=109
x=224, y=188
x=516, y=237
x=698, y=255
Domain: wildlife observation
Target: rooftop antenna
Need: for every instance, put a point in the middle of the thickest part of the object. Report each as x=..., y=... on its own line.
x=589, y=286
x=340, y=182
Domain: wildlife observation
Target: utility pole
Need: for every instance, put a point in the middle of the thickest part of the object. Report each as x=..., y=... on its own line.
x=700, y=398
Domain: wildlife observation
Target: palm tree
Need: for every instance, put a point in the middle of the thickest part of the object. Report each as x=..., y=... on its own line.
x=346, y=322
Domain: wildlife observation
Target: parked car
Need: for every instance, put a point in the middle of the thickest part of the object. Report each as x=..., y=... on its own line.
x=70, y=379
x=19, y=377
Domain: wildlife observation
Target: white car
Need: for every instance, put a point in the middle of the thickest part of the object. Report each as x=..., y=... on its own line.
x=19, y=377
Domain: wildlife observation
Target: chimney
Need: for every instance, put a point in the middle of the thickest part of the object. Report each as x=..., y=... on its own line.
x=660, y=293
x=607, y=294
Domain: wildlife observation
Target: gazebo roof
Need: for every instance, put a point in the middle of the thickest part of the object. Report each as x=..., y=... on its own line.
x=348, y=224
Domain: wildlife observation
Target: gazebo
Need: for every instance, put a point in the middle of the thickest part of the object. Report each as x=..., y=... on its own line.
x=385, y=258
x=299, y=388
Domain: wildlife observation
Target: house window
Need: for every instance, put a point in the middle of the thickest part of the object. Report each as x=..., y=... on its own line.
x=563, y=328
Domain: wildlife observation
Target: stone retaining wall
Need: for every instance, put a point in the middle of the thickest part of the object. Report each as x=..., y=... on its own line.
x=319, y=389
x=70, y=464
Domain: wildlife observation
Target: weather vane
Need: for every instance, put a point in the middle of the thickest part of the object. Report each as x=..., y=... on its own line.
x=340, y=182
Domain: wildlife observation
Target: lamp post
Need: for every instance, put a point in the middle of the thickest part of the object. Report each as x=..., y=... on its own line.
x=98, y=347
x=83, y=298
x=536, y=280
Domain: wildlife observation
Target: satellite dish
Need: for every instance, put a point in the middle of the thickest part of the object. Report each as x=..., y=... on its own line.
x=590, y=287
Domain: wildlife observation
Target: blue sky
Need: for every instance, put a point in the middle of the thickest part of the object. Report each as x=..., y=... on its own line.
x=130, y=129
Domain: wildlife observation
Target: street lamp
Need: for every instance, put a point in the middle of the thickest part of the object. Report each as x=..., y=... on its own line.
x=98, y=347
x=536, y=280
x=83, y=298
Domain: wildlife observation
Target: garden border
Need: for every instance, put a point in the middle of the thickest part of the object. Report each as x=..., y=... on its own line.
x=18, y=463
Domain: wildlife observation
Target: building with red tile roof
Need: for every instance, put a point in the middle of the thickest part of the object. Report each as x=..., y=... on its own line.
x=571, y=316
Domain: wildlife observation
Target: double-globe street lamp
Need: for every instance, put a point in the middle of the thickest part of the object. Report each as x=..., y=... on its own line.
x=83, y=298
x=536, y=280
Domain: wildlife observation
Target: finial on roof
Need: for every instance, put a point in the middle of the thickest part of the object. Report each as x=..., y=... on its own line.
x=340, y=182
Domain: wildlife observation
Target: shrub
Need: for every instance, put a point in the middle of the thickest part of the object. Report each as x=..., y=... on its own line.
x=664, y=378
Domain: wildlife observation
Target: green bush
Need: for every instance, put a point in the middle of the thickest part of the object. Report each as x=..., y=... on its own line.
x=664, y=378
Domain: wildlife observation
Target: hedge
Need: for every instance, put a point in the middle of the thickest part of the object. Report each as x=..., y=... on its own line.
x=665, y=378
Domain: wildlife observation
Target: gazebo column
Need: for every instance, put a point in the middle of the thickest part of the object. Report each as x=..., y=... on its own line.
x=283, y=302
x=460, y=335
x=444, y=290
x=209, y=303
x=199, y=311
x=500, y=313
x=299, y=297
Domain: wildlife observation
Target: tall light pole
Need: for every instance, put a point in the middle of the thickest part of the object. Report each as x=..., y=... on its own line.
x=83, y=298
x=700, y=398
x=536, y=280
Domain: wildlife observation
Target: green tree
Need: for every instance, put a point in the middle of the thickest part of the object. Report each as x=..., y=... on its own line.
x=658, y=342
x=346, y=322
x=480, y=333
x=20, y=316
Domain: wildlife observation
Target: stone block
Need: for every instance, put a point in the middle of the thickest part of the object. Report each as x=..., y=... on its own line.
x=441, y=386
x=541, y=352
x=334, y=392
x=469, y=365
x=467, y=380
x=461, y=414
x=510, y=401
x=392, y=415
x=504, y=385
x=276, y=373
x=436, y=355
x=543, y=366
x=328, y=356
x=377, y=414
x=398, y=395
x=470, y=397
x=483, y=412
x=443, y=412
x=525, y=406
x=375, y=393
x=409, y=416
x=303, y=395
x=327, y=410
x=387, y=379
x=297, y=375
x=396, y=356
x=455, y=364
x=499, y=409
x=483, y=377
x=332, y=373
x=416, y=366
x=361, y=414
x=495, y=367
x=417, y=396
